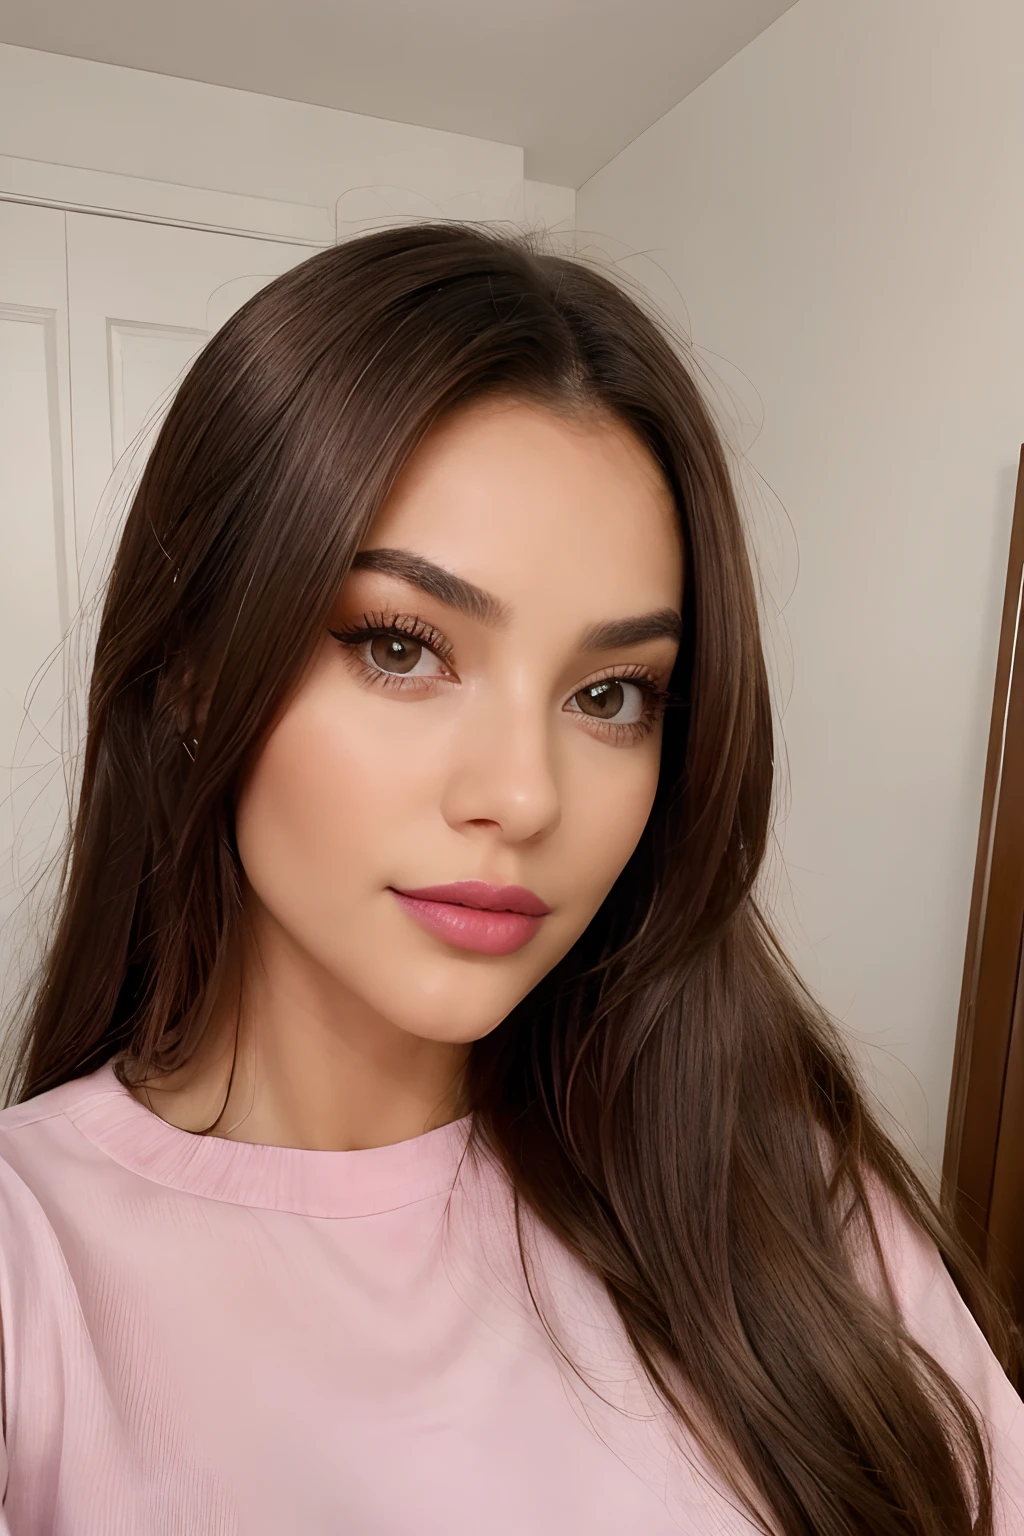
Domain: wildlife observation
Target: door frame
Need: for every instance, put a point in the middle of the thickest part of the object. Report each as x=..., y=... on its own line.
x=79, y=190
x=983, y=1167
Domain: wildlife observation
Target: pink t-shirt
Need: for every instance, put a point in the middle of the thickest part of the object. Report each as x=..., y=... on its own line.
x=204, y=1337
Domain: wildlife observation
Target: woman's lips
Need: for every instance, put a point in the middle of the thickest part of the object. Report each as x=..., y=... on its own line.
x=487, y=933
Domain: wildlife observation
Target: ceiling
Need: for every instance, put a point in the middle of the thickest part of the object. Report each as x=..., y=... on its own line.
x=572, y=81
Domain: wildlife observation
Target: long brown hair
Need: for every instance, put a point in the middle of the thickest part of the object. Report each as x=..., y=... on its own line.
x=662, y=1099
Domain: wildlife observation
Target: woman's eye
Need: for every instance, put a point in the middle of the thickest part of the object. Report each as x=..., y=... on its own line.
x=398, y=655
x=389, y=656
x=391, y=650
x=614, y=699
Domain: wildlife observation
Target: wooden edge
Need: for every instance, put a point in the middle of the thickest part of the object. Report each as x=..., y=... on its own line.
x=972, y=1125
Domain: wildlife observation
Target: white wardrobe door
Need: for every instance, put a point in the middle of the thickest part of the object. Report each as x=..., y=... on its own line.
x=37, y=589
x=99, y=319
x=143, y=299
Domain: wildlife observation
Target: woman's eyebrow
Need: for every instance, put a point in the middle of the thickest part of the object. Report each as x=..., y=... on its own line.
x=455, y=592
x=433, y=579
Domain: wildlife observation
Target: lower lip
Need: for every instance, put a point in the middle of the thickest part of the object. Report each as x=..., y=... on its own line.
x=487, y=933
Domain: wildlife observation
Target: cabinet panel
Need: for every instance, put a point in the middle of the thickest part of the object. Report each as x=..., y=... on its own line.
x=37, y=564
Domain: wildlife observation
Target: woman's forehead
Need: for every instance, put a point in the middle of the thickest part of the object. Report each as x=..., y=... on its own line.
x=503, y=489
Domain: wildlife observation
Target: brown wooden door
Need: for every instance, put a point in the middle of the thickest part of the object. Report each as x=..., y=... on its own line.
x=983, y=1170
x=1006, y=1211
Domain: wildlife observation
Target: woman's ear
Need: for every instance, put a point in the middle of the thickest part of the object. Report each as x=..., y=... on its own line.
x=188, y=702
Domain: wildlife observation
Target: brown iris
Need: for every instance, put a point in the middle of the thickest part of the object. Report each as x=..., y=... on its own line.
x=606, y=699
x=392, y=648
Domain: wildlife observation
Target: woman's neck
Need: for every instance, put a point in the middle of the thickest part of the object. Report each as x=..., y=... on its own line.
x=290, y=1059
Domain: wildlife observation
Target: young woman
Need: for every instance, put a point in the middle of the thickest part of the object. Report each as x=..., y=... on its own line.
x=419, y=1127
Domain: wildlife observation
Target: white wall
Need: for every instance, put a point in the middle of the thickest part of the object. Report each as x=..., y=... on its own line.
x=840, y=207
x=133, y=123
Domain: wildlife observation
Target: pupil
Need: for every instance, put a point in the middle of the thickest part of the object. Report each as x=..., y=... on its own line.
x=391, y=649
x=606, y=699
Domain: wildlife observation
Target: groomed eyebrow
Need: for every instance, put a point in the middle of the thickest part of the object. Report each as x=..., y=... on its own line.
x=471, y=600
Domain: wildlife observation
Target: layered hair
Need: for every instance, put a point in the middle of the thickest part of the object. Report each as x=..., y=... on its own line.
x=670, y=1100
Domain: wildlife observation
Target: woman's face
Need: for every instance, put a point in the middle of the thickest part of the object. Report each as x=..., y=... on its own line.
x=496, y=737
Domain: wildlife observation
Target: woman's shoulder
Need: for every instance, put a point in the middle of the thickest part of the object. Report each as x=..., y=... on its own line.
x=54, y=1203
x=34, y=1118
x=35, y=1292
x=40, y=1141
x=937, y=1318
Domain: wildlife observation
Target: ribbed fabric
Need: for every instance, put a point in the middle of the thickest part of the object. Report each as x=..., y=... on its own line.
x=208, y=1338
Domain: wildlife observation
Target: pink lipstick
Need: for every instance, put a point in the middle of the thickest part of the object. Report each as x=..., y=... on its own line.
x=470, y=914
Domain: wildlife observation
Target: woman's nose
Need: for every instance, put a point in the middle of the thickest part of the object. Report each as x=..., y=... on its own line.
x=502, y=769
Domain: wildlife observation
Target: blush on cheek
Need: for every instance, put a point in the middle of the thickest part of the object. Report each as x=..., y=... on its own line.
x=280, y=809
x=317, y=803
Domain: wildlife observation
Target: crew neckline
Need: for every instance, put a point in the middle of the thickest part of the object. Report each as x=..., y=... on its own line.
x=365, y=1182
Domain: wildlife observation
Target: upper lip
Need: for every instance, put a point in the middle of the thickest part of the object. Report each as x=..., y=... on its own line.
x=477, y=893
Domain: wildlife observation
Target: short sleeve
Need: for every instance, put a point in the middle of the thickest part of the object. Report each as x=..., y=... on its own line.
x=936, y=1315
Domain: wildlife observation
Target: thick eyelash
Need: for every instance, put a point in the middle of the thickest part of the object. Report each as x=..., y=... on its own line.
x=381, y=626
